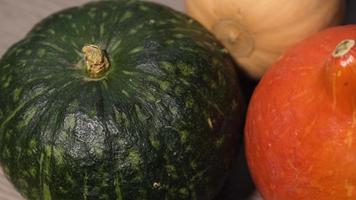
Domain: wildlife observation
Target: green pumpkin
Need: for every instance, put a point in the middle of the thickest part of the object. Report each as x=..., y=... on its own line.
x=119, y=100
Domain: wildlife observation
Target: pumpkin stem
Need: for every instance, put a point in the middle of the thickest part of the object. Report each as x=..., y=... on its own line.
x=235, y=37
x=341, y=75
x=343, y=48
x=97, y=62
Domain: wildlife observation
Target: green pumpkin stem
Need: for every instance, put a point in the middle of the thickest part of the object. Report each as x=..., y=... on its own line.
x=343, y=48
x=97, y=62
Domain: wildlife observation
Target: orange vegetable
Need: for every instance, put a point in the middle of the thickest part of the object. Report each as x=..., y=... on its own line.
x=301, y=122
x=256, y=32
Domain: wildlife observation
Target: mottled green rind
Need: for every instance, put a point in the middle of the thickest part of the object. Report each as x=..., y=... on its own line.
x=161, y=124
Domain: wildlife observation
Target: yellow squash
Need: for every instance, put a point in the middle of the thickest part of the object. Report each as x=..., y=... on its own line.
x=256, y=32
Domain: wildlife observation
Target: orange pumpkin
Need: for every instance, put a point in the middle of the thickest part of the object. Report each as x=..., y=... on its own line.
x=301, y=122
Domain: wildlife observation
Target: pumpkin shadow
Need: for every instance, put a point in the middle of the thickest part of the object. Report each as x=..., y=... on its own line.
x=239, y=184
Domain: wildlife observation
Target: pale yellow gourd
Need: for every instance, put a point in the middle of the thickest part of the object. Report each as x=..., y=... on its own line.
x=256, y=32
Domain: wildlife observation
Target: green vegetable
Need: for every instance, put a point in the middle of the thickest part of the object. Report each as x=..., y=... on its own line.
x=120, y=100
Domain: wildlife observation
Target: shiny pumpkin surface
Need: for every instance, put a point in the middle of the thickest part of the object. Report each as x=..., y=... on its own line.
x=301, y=122
x=118, y=100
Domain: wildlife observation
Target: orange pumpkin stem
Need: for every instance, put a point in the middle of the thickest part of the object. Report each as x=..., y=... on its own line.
x=341, y=75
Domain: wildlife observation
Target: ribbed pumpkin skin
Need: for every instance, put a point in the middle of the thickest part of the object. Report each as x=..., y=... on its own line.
x=161, y=124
